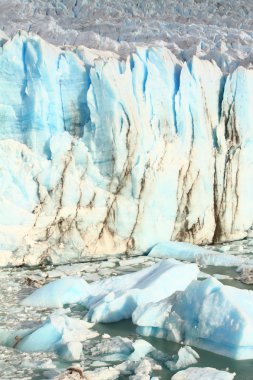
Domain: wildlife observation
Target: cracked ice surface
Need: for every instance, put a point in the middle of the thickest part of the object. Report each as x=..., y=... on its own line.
x=220, y=30
x=104, y=155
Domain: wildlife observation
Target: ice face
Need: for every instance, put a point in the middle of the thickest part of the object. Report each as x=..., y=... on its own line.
x=104, y=155
x=207, y=314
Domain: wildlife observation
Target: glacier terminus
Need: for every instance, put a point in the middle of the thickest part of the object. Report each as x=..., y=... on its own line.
x=103, y=154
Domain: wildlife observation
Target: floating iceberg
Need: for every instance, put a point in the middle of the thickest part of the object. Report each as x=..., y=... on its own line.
x=207, y=373
x=207, y=314
x=59, y=333
x=119, y=349
x=116, y=298
x=64, y=291
x=185, y=357
x=193, y=253
x=114, y=349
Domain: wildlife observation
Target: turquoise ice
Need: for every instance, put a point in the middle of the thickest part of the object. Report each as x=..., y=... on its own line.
x=102, y=155
x=207, y=315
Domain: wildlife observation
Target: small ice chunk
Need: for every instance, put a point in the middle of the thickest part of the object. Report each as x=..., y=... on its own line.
x=207, y=373
x=73, y=373
x=141, y=349
x=38, y=364
x=133, y=261
x=107, y=264
x=203, y=275
x=224, y=248
x=144, y=368
x=108, y=373
x=106, y=336
x=114, y=349
x=35, y=281
x=246, y=274
x=222, y=276
x=138, y=369
x=70, y=351
x=98, y=363
x=185, y=357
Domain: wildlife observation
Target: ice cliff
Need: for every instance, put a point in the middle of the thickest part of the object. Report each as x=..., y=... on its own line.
x=102, y=154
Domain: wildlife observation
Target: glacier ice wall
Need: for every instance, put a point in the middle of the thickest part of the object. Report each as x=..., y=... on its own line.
x=103, y=155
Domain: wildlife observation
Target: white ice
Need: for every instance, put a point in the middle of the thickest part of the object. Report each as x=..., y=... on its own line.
x=207, y=373
x=186, y=356
x=116, y=298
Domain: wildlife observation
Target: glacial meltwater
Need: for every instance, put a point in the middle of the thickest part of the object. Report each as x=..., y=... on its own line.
x=17, y=283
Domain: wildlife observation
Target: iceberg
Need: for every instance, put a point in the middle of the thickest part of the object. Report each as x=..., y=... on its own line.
x=58, y=333
x=120, y=349
x=106, y=154
x=66, y=290
x=246, y=274
x=194, y=253
x=185, y=357
x=207, y=373
x=208, y=315
x=112, y=350
x=116, y=298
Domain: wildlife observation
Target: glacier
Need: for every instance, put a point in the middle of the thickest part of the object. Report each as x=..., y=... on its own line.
x=208, y=315
x=103, y=154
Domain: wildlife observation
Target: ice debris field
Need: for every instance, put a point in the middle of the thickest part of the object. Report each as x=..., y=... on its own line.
x=141, y=318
